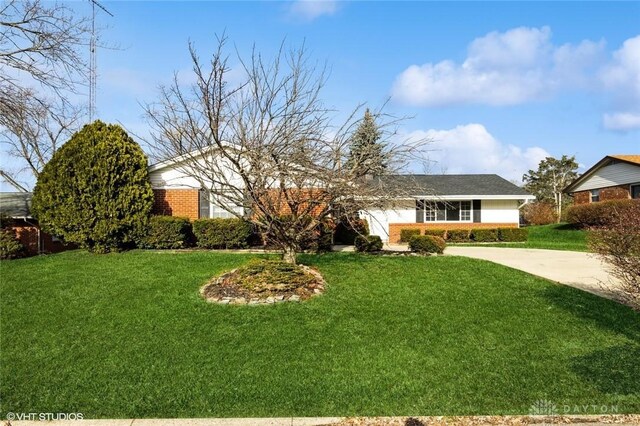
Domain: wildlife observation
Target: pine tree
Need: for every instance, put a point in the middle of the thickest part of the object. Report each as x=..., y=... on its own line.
x=366, y=156
x=95, y=190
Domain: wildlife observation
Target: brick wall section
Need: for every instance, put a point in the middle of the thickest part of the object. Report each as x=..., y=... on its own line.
x=28, y=236
x=581, y=197
x=620, y=192
x=394, y=228
x=176, y=202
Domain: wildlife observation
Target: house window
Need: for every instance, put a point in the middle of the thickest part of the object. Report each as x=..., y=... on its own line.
x=635, y=191
x=451, y=211
x=595, y=195
x=208, y=209
x=203, y=204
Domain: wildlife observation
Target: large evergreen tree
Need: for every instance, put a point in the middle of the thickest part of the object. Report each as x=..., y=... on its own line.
x=550, y=179
x=366, y=155
x=95, y=191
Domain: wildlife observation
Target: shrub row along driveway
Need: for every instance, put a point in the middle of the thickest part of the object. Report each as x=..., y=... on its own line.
x=577, y=269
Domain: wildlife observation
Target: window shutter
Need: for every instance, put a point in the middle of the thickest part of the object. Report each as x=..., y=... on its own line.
x=477, y=208
x=419, y=211
x=203, y=205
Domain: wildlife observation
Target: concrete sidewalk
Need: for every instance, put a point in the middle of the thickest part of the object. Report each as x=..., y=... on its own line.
x=576, y=269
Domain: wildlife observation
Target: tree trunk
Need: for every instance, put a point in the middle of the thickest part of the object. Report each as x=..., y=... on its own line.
x=289, y=255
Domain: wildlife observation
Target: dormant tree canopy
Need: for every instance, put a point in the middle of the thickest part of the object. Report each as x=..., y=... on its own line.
x=270, y=145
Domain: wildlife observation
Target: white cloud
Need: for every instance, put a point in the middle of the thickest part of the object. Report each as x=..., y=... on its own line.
x=471, y=148
x=621, y=121
x=621, y=80
x=508, y=68
x=308, y=10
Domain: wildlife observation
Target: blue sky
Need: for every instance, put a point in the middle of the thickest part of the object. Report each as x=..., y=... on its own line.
x=497, y=85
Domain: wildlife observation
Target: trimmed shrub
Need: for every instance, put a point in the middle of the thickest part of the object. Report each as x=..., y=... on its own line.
x=221, y=233
x=436, y=233
x=406, y=234
x=484, y=235
x=95, y=190
x=168, y=232
x=458, y=235
x=539, y=213
x=348, y=229
x=369, y=243
x=513, y=235
x=427, y=244
x=596, y=214
x=10, y=247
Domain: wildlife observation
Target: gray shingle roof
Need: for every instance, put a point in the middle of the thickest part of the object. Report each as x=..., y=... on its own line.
x=442, y=185
x=15, y=204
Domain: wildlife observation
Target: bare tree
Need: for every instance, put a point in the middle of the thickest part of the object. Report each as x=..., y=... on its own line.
x=42, y=66
x=265, y=149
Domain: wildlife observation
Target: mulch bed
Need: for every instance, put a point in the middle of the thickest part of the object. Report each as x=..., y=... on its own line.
x=231, y=288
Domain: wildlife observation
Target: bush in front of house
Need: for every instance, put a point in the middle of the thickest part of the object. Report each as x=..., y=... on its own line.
x=539, y=213
x=167, y=232
x=406, y=234
x=596, y=214
x=347, y=229
x=458, y=235
x=513, y=235
x=221, y=233
x=10, y=247
x=95, y=190
x=427, y=244
x=484, y=235
x=442, y=233
x=369, y=243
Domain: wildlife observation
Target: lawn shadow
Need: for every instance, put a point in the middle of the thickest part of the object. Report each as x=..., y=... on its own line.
x=604, y=313
x=614, y=370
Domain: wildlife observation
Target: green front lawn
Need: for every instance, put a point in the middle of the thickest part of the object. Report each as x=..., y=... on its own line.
x=127, y=335
x=560, y=236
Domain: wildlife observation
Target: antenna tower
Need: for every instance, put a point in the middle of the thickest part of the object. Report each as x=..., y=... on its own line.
x=93, y=68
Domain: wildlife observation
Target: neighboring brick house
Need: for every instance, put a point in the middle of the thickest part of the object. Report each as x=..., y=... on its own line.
x=615, y=177
x=17, y=207
x=462, y=201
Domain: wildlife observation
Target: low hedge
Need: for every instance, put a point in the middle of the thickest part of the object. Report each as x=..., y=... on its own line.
x=442, y=233
x=458, y=235
x=167, y=232
x=369, y=243
x=10, y=247
x=596, y=214
x=222, y=233
x=513, y=235
x=484, y=235
x=406, y=234
x=427, y=244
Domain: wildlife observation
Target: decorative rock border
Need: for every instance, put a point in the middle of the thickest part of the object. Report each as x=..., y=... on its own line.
x=228, y=300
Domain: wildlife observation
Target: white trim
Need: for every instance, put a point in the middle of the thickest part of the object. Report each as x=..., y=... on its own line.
x=470, y=220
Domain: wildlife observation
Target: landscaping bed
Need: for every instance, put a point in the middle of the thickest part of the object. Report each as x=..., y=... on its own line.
x=264, y=281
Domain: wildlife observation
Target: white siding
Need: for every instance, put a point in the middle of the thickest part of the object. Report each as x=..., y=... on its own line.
x=611, y=175
x=180, y=176
x=379, y=220
x=499, y=211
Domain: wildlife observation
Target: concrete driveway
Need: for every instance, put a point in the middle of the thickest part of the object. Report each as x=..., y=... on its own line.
x=576, y=269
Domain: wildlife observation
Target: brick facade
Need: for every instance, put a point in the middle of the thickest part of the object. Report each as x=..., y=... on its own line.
x=176, y=202
x=620, y=192
x=394, y=228
x=27, y=234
